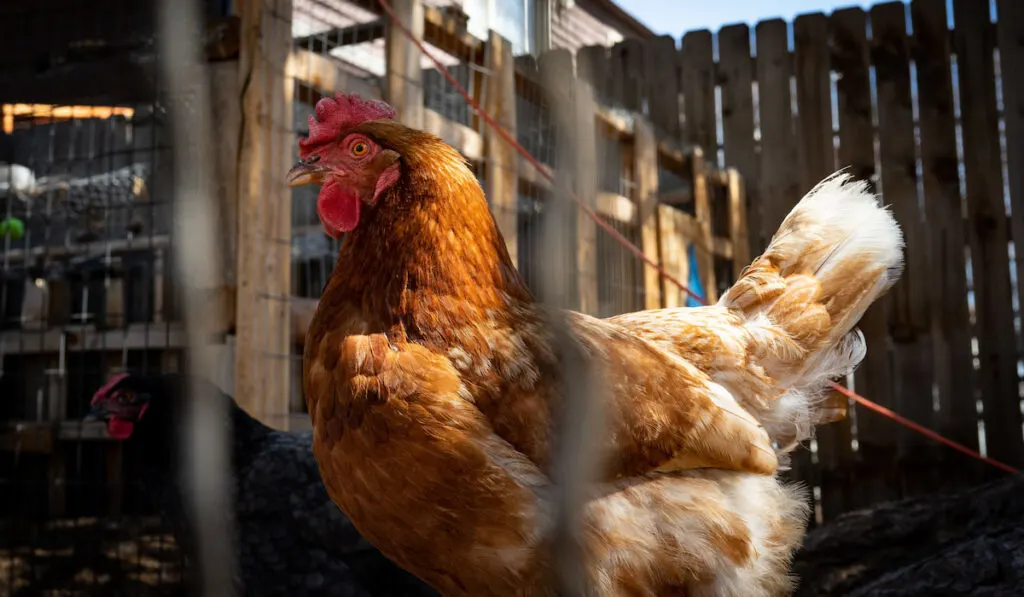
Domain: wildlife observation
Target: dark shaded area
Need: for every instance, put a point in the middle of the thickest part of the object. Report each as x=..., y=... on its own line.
x=89, y=556
x=969, y=543
x=292, y=539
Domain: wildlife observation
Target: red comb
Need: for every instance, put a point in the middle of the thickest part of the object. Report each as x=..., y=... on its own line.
x=107, y=387
x=335, y=114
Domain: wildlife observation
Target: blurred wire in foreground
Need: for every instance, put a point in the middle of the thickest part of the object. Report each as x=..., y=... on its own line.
x=580, y=421
x=195, y=220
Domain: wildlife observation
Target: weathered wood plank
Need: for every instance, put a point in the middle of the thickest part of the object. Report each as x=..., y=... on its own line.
x=910, y=311
x=264, y=212
x=1010, y=29
x=698, y=84
x=876, y=476
x=813, y=96
x=702, y=212
x=988, y=233
x=502, y=176
x=325, y=74
x=403, y=81
x=661, y=59
x=672, y=224
x=817, y=160
x=954, y=373
x=628, y=57
x=700, y=128
x=226, y=119
x=736, y=76
x=739, y=237
x=777, y=186
x=645, y=170
x=592, y=66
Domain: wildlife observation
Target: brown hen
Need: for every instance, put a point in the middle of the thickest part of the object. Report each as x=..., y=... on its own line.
x=431, y=379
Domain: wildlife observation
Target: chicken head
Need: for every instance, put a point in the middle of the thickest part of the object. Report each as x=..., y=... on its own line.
x=120, y=405
x=353, y=168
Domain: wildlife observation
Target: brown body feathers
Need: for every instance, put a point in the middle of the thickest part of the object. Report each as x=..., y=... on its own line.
x=430, y=377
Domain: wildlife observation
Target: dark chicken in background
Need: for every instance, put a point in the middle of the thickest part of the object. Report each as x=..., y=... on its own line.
x=292, y=539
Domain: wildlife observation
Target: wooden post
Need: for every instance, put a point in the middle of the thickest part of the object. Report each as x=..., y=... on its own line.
x=645, y=170
x=264, y=212
x=226, y=112
x=502, y=163
x=673, y=252
x=403, y=84
x=738, y=234
x=702, y=211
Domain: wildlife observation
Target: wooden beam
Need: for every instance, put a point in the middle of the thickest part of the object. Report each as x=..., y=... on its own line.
x=645, y=171
x=137, y=336
x=702, y=209
x=673, y=251
x=616, y=207
x=403, y=81
x=464, y=139
x=324, y=42
x=263, y=345
x=502, y=161
x=327, y=75
x=227, y=121
x=740, y=242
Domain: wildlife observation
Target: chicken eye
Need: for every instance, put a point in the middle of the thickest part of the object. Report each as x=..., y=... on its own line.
x=313, y=158
x=360, y=149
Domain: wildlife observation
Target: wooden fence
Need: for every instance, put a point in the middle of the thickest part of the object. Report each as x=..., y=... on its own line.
x=921, y=109
x=697, y=148
x=759, y=115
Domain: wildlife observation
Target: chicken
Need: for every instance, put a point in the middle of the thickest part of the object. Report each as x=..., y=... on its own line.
x=431, y=378
x=292, y=540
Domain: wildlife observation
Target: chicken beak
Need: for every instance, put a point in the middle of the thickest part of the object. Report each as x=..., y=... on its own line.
x=303, y=174
x=97, y=413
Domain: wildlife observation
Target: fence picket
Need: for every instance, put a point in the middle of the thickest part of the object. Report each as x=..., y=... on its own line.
x=909, y=315
x=988, y=233
x=954, y=374
x=848, y=34
x=736, y=78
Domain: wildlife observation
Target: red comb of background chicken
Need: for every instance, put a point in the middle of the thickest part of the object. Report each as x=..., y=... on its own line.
x=106, y=388
x=334, y=114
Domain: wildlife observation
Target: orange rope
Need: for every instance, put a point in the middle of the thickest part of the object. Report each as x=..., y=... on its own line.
x=885, y=412
x=498, y=128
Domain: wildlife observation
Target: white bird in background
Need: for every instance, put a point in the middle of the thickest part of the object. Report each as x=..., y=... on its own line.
x=21, y=182
x=18, y=180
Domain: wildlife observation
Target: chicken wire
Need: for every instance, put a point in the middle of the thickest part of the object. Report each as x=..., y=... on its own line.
x=86, y=253
x=98, y=224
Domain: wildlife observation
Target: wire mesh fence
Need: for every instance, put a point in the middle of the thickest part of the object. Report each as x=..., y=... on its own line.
x=104, y=272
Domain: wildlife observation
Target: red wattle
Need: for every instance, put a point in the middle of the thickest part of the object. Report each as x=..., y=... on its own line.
x=119, y=428
x=339, y=208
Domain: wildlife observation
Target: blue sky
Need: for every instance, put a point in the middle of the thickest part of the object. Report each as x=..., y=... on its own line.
x=675, y=17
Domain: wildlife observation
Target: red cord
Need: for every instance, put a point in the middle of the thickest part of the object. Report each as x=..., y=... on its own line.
x=534, y=161
x=878, y=408
x=491, y=122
